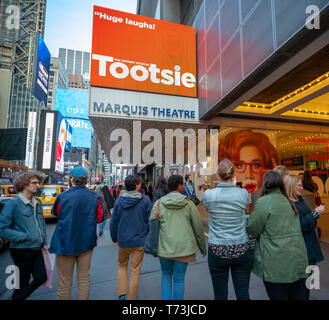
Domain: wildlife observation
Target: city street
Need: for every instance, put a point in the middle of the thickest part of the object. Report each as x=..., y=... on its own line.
x=104, y=268
x=221, y=104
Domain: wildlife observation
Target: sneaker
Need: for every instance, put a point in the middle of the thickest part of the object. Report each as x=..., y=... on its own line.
x=122, y=297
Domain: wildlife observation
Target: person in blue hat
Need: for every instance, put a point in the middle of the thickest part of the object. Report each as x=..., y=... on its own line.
x=79, y=210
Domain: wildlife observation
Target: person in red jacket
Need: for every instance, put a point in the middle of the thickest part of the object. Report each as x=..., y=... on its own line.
x=119, y=189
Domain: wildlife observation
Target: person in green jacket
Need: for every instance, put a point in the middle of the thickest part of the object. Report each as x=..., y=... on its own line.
x=280, y=252
x=181, y=235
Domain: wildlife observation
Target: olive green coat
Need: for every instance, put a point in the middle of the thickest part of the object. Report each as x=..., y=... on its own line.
x=181, y=230
x=280, y=252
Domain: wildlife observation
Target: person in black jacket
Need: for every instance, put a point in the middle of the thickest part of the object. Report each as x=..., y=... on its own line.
x=108, y=200
x=308, y=219
x=161, y=189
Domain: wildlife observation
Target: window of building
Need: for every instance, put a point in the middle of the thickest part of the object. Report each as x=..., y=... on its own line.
x=157, y=10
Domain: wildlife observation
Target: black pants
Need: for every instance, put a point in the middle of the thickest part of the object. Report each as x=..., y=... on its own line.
x=240, y=270
x=287, y=291
x=29, y=262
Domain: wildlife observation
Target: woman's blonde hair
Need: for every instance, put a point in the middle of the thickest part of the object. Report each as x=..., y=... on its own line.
x=290, y=182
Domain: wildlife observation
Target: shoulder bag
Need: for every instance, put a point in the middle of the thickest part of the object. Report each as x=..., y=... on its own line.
x=152, y=239
x=194, y=199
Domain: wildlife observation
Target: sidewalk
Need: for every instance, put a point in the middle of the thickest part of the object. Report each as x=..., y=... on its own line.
x=197, y=282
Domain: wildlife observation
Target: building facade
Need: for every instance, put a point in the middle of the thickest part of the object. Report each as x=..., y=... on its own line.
x=19, y=23
x=263, y=80
x=58, y=78
x=75, y=62
x=76, y=81
x=178, y=11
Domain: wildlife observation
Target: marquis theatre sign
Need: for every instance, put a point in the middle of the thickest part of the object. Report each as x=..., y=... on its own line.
x=152, y=59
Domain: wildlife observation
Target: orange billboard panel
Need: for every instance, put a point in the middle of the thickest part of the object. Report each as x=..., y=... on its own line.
x=139, y=53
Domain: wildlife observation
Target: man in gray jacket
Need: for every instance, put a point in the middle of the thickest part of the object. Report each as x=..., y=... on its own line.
x=22, y=222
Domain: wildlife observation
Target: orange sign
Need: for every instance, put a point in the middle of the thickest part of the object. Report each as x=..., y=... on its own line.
x=138, y=53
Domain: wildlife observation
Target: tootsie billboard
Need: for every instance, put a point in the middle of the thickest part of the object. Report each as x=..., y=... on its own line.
x=139, y=53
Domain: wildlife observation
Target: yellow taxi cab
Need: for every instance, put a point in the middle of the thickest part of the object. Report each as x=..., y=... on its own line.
x=48, y=194
x=7, y=191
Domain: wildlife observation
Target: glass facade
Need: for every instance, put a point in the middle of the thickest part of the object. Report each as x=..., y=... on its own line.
x=62, y=55
x=22, y=101
x=75, y=62
x=235, y=37
x=7, y=36
x=78, y=62
x=86, y=63
x=70, y=61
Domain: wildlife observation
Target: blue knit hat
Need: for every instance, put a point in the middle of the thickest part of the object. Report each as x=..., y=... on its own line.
x=78, y=172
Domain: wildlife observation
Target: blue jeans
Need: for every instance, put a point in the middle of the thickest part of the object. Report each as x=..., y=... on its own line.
x=102, y=225
x=240, y=269
x=172, y=271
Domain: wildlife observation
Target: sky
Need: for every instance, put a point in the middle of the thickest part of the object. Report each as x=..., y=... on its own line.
x=69, y=22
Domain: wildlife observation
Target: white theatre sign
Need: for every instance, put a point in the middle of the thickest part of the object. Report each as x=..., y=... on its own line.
x=142, y=106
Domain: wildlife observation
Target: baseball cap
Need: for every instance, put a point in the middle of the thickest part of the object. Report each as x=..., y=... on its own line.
x=78, y=172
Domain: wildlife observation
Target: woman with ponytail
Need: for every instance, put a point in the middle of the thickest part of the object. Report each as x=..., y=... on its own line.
x=228, y=240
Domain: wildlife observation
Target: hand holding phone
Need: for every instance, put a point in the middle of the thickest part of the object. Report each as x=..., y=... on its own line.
x=320, y=209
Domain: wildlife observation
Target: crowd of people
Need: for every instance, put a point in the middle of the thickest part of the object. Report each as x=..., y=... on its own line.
x=277, y=241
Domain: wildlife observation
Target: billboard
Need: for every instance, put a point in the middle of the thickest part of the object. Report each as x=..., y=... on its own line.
x=41, y=69
x=68, y=144
x=81, y=132
x=47, y=145
x=72, y=103
x=140, y=105
x=252, y=154
x=64, y=132
x=31, y=131
x=139, y=53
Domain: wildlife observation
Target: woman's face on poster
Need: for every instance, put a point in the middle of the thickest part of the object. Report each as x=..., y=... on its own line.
x=250, y=168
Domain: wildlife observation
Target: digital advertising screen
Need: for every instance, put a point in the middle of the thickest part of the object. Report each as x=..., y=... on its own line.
x=81, y=133
x=139, y=53
x=68, y=136
x=42, y=66
x=72, y=103
x=64, y=137
x=46, y=155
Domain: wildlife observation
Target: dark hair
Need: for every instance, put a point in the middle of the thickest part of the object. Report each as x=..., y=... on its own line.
x=24, y=178
x=308, y=183
x=187, y=176
x=81, y=182
x=174, y=181
x=162, y=184
x=308, y=178
x=131, y=182
x=225, y=170
x=272, y=180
